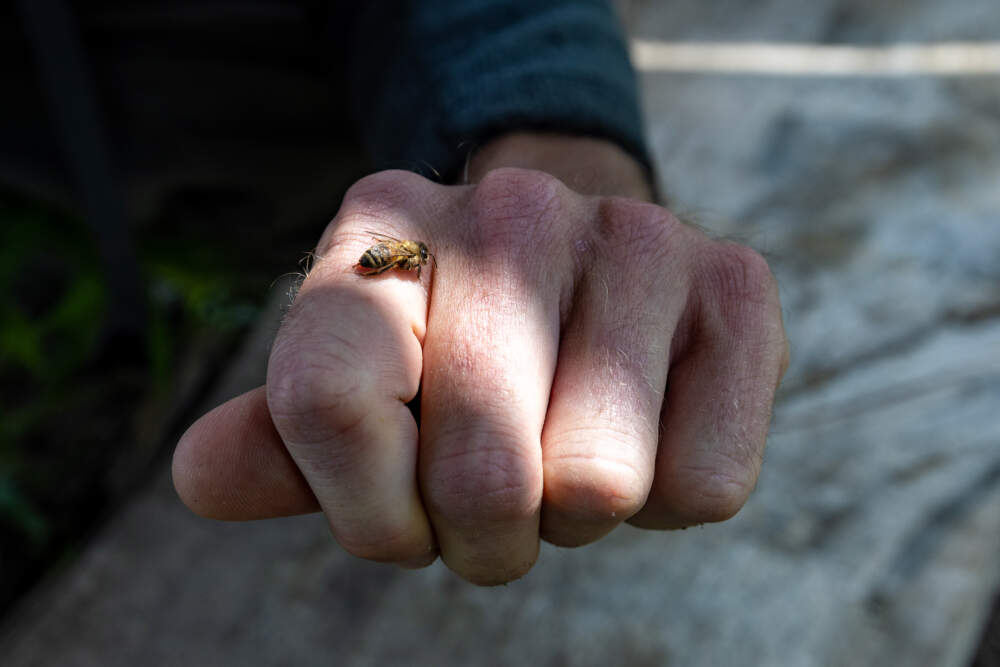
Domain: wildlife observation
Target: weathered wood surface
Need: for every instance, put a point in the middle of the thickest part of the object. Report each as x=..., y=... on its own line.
x=874, y=534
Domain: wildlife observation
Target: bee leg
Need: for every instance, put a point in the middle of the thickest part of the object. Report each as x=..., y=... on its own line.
x=375, y=272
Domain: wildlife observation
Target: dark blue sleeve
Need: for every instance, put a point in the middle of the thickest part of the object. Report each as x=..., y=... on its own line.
x=433, y=79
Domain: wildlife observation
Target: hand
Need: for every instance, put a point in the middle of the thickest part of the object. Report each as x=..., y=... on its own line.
x=583, y=360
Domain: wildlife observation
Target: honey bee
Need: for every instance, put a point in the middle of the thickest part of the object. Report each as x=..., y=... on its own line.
x=393, y=253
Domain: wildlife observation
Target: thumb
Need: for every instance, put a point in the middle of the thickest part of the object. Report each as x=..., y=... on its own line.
x=231, y=464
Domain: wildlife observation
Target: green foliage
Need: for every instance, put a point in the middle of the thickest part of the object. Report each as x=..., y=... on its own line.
x=49, y=323
x=52, y=316
x=191, y=288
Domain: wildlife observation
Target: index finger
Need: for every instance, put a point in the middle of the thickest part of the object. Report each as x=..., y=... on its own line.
x=346, y=361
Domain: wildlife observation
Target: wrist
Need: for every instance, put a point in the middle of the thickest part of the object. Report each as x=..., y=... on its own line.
x=587, y=165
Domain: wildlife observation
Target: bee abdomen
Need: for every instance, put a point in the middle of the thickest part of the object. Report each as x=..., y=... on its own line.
x=375, y=257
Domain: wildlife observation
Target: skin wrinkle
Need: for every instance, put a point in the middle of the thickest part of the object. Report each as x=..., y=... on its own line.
x=299, y=389
x=685, y=328
x=584, y=251
x=729, y=425
x=618, y=495
x=498, y=471
x=623, y=364
x=749, y=448
x=241, y=475
x=344, y=481
x=525, y=222
x=622, y=367
x=637, y=240
x=627, y=403
x=342, y=350
x=312, y=385
x=519, y=220
x=323, y=459
x=629, y=471
x=628, y=439
x=327, y=469
x=734, y=275
x=465, y=355
x=485, y=487
x=699, y=494
x=465, y=359
x=525, y=196
x=300, y=386
x=717, y=484
x=308, y=315
x=717, y=474
x=392, y=190
x=636, y=227
x=724, y=323
x=380, y=549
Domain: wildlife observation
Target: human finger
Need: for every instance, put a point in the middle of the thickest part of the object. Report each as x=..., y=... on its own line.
x=601, y=431
x=489, y=358
x=231, y=464
x=345, y=363
x=728, y=359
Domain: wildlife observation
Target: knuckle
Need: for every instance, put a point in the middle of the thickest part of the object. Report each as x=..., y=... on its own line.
x=733, y=273
x=636, y=230
x=311, y=397
x=376, y=202
x=383, y=543
x=711, y=493
x=595, y=489
x=383, y=190
x=516, y=208
x=488, y=482
x=642, y=246
x=636, y=222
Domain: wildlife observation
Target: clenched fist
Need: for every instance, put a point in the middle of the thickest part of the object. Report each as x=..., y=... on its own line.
x=582, y=360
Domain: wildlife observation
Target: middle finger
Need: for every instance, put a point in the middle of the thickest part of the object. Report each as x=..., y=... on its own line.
x=489, y=357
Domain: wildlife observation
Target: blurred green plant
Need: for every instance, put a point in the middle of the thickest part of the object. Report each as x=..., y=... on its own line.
x=49, y=324
x=57, y=410
x=200, y=285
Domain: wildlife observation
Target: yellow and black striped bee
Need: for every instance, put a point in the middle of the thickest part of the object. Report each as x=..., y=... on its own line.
x=393, y=253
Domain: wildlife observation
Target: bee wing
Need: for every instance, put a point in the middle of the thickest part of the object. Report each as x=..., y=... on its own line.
x=381, y=237
x=402, y=254
x=396, y=252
